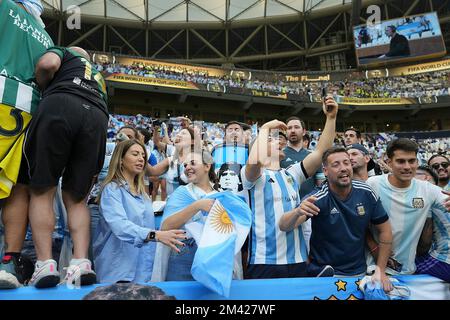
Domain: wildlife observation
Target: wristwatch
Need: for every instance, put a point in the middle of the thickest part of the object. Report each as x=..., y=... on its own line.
x=151, y=236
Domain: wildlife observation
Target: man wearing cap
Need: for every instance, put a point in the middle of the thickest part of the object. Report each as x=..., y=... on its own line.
x=184, y=122
x=361, y=161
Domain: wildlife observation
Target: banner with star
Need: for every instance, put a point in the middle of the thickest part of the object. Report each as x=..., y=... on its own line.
x=421, y=287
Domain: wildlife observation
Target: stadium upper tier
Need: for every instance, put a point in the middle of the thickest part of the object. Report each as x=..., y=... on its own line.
x=423, y=83
x=211, y=11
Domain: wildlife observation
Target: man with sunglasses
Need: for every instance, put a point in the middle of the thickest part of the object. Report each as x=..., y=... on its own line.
x=440, y=165
x=433, y=254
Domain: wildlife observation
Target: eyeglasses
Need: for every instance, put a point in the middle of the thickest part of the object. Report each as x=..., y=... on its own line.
x=436, y=166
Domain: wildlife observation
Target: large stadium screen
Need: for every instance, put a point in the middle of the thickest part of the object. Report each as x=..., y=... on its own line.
x=399, y=40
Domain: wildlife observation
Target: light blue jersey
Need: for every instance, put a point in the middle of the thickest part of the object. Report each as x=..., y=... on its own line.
x=272, y=195
x=408, y=209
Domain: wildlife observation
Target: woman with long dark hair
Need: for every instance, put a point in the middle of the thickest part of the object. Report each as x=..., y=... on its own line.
x=186, y=205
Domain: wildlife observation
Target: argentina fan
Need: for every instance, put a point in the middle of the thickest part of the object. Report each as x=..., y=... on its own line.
x=205, y=150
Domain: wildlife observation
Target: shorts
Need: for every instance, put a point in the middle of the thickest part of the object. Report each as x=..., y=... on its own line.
x=67, y=138
x=428, y=265
x=13, y=123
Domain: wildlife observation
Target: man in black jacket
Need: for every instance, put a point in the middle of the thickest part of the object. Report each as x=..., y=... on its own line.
x=399, y=44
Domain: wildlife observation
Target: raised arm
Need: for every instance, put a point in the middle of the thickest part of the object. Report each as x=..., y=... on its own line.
x=161, y=146
x=46, y=68
x=159, y=168
x=313, y=161
x=259, y=155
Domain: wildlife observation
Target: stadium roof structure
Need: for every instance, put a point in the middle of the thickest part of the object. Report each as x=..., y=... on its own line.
x=278, y=35
x=176, y=11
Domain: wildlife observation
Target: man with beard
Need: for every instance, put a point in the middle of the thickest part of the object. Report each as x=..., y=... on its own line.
x=341, y=212
x=433, y=252
x=409, y=202
x=440, y=165
x=361, y=161
x=296, y=152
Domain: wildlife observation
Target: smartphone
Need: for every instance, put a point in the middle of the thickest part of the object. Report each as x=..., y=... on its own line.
x=324, y=96
x=324, y=92
x=394, y=264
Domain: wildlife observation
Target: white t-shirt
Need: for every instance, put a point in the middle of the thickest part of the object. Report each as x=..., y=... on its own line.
x=408, y=209
x=174, y=172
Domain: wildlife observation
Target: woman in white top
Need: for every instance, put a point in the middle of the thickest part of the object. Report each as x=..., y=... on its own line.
x=183, y=144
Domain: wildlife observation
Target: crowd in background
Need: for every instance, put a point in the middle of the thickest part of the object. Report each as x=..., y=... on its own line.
x=410, y=86
x=375, y=143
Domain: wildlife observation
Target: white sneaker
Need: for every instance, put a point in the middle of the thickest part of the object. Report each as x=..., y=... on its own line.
x=80, y=273
x=8, y=280
x=45, y=275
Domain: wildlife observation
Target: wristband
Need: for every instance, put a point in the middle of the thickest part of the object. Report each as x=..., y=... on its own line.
x=374, y=249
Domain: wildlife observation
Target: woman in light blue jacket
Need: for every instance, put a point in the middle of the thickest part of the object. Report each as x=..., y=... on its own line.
x=124, y=244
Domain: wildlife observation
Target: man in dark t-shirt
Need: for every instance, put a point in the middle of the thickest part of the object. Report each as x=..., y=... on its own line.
x=341, y=213
x=295, y=151
x=67, y=137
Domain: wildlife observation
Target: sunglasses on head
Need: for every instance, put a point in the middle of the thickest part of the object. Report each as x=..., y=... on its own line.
x=436, y=166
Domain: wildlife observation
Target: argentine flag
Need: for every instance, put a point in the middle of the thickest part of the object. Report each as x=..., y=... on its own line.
x=219, y=236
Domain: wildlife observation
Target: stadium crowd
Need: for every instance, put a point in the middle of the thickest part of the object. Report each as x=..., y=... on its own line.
x=410, y=86
x=79, y=186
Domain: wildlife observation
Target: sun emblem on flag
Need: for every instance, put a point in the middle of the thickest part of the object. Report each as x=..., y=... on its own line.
x=220, y=220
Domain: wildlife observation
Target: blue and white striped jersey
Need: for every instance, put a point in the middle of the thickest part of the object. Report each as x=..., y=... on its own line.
x=440, y=248
x=273, y=194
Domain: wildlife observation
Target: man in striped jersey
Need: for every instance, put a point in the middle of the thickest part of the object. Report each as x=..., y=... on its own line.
x=341, y=212
x=23, y=40
x=409, y=202
x=435, y=236
x=274, y=192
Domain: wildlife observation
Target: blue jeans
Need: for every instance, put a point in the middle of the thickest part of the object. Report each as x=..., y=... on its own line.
x=180, y=264
x=95, y=219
